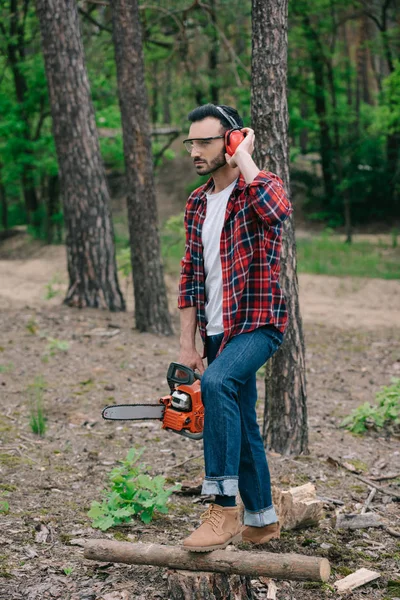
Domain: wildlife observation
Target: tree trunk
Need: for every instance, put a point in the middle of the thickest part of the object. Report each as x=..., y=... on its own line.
x=93, y=280
x=213, y=56
x=183, y=585
x=317, y=64
x=4, y=207
x=166, y=97
x=53, y=193
x=151, y=307
x=16, y=58
x=285, y=417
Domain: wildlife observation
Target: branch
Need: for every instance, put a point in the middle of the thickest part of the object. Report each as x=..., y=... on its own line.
x=43, y=116
x=93, y=21
x=159, y=154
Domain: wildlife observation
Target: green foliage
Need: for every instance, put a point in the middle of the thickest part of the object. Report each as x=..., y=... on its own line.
x=131, y=492
x=178, y=45
x=124, y=261
x=51, y=291
x=327, y=255
x=55, y=345
x=173, y=242
x=37, y=420
x=385, y=414
x=4, y=507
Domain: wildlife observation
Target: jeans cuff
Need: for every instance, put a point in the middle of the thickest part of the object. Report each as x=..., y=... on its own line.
x=259, y=518
x=220, y=486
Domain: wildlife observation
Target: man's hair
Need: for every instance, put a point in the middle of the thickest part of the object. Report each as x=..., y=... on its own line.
x=226, y=115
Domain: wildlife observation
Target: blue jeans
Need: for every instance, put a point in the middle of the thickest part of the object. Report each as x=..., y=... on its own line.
x=234, y=453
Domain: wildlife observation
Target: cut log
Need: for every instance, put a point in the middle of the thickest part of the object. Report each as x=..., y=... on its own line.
x=356, y=521
x=297, y=507
x=360, y=577
x=276, y=566
x=184, y=585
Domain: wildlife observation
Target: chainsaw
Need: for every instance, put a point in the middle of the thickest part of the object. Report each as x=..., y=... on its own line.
x=182, y=411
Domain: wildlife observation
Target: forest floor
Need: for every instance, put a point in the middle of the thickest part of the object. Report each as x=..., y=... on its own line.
x=352, y=334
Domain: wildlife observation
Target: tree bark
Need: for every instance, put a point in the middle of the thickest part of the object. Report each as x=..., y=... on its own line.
x=285, y=416
x=151, y=306
x=213, y=55
x=93, y=280
x=256, y=564
x=184, y=585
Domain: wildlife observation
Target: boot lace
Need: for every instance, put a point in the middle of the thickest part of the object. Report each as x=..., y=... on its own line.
x=213, y=515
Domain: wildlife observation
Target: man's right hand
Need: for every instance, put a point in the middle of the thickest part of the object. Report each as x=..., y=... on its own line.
x=191, y=358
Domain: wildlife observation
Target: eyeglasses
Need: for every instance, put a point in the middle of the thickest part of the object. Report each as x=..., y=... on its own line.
x=200, y=143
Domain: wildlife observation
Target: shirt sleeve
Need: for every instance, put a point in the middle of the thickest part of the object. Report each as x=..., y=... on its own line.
x=268, y=198
x=186, y=297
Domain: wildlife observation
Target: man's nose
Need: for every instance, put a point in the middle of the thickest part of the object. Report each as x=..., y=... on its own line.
x=195, y=152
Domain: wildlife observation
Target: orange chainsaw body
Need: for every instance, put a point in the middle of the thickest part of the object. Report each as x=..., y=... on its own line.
x=188, y=422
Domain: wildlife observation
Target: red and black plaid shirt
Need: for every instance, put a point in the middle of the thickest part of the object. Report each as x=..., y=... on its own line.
x=250, y=247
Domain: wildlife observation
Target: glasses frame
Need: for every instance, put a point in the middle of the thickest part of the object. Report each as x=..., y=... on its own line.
x=206, y=139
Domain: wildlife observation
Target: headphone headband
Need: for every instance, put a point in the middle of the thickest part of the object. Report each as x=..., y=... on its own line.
x=230, y=119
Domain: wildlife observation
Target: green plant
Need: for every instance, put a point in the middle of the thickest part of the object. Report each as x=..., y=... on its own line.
x=6, y=368
x=37, y=420
x=385, y=414
x=51, y=292
x=54, y=345
x=68, y=570
x=32, y=326
x=4, y=506
x=131, y=492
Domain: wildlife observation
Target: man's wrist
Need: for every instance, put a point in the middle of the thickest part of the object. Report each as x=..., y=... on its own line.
x=246, y=165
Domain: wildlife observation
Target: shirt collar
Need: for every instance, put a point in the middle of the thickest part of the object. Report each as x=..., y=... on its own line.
x=209, y=186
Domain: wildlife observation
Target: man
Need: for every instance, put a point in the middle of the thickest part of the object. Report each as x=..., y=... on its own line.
x=229, y=289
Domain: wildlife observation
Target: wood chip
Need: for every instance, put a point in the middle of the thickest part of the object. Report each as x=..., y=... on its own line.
x=355, y=580
x=99, y=332
x=356, y=521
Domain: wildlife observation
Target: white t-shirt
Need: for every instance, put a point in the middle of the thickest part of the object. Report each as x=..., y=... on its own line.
x=211, y=237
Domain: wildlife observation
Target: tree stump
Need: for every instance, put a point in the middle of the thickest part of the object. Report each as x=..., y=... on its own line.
x=186, y=585
x=297, y=507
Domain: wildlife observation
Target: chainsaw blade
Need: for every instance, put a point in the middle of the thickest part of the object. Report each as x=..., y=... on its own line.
x=133, y=412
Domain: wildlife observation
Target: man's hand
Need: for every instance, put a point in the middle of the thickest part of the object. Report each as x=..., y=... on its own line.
x=242, y=157
x=245, y=147
x=191, y=358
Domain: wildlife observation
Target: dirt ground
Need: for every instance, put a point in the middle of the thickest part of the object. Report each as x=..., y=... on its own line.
x=352, y=331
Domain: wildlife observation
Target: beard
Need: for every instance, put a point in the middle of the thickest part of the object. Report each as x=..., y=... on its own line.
x=206, y=168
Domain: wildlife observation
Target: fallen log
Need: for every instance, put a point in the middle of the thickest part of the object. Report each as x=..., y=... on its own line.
x=256, y=564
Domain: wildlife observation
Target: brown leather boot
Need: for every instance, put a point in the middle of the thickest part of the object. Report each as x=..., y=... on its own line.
x=261, y=535
x=220, y=527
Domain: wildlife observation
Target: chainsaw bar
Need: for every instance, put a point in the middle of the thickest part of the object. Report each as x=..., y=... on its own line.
x=133, y=412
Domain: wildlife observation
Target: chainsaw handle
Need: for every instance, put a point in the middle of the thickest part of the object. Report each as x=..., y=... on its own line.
x=189, y=377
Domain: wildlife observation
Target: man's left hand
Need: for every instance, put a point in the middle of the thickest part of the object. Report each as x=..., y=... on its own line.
x=246, y=147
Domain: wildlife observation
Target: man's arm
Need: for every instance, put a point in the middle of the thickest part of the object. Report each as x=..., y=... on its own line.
x=188, y=354
x=266, y=193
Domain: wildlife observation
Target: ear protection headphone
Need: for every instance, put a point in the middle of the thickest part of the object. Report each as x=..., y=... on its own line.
x=234, y=136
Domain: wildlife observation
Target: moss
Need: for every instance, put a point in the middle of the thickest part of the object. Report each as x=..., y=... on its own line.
x=344, y=570
x=121, y=537
x=393, y=586
x=7, y=487
x=359, y=465
x=359, y=489
x=65, y=538
x=12, y=461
